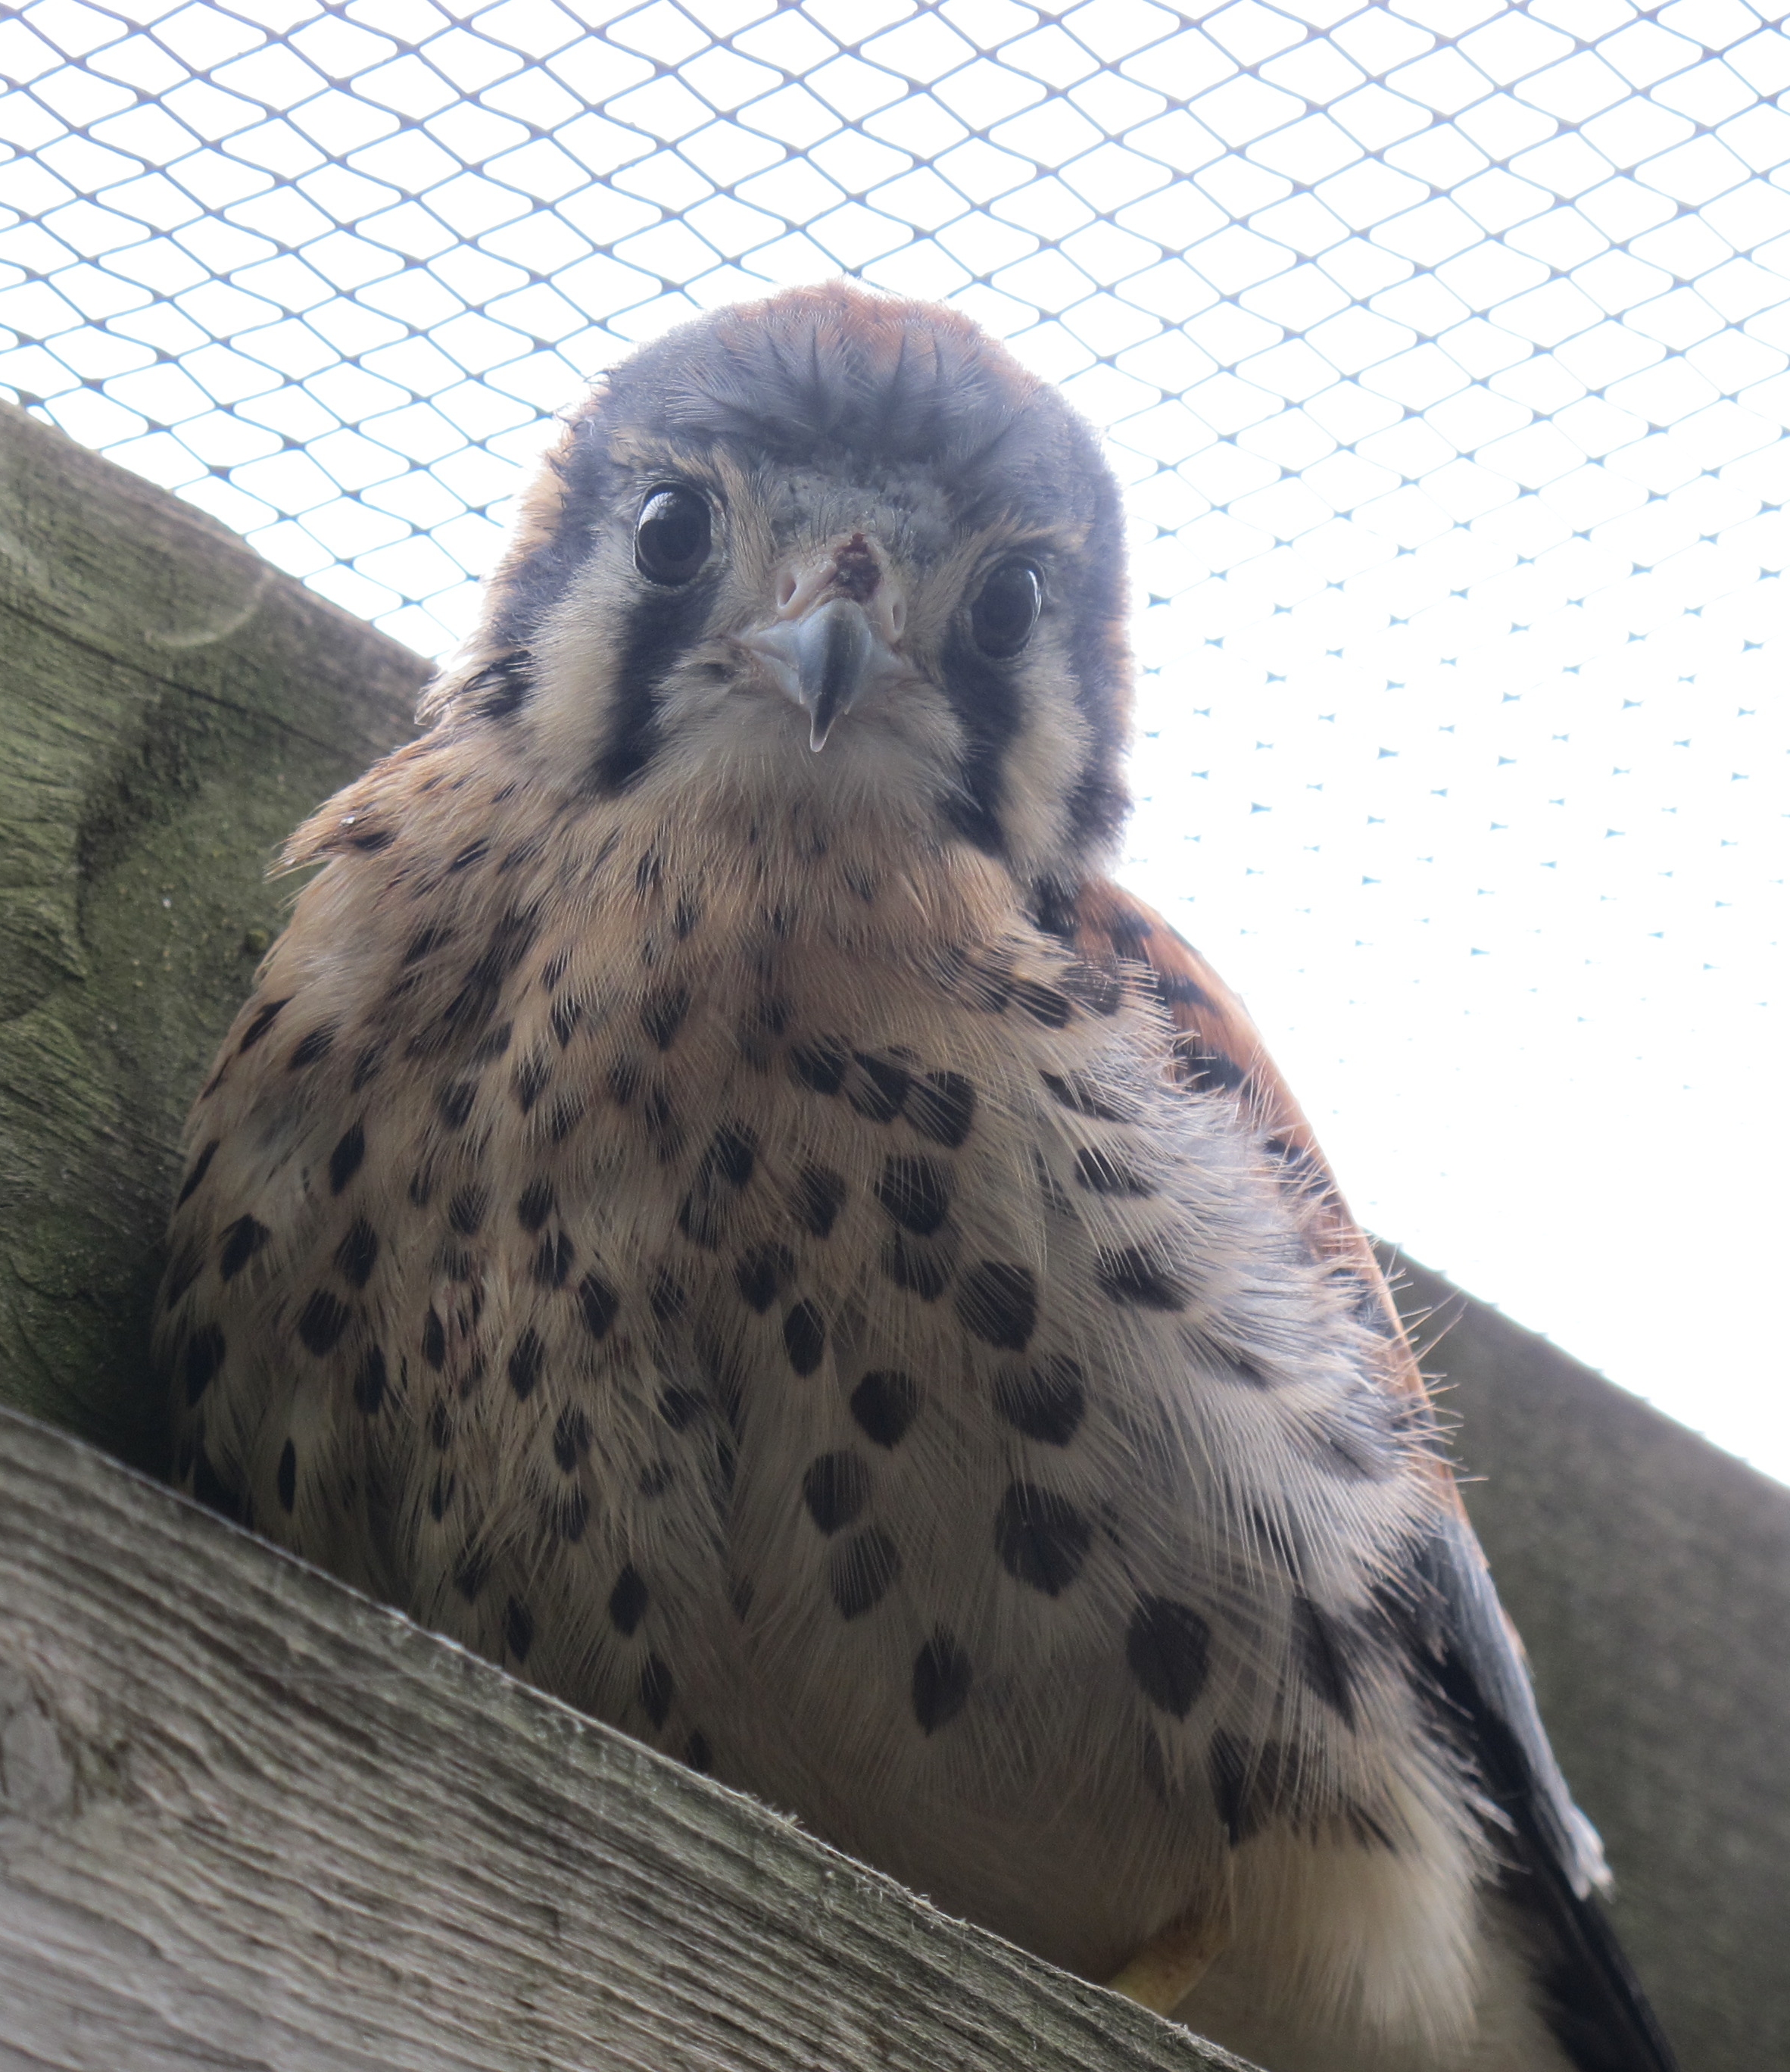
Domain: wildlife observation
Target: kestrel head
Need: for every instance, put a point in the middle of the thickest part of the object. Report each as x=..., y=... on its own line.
x=834, y=547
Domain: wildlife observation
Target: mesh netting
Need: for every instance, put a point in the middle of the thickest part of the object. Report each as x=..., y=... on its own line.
x=1333, y=280
x=1441, y=347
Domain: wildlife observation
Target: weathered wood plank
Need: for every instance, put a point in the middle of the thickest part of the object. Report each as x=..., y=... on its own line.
x=248, y=1819
x=170, y=707
x=1649, y=1574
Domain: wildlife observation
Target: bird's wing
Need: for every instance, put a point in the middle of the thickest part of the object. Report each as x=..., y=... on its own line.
x=1465, y=1652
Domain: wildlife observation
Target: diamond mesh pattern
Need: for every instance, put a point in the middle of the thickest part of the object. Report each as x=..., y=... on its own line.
x=1442, y=346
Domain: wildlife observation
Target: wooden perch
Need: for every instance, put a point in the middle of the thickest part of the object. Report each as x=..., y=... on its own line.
x=250, y=1820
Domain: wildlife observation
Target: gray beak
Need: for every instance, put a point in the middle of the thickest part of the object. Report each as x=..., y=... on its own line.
x=823, y=660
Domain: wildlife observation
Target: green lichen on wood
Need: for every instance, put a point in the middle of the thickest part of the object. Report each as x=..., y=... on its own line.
x=170, y=707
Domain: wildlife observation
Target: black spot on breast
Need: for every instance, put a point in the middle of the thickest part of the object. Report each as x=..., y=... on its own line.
x=201, y=1165
x=684, y=918
x=424, y=942
x=568, y=1112
x=358, y=1253
x=1167, y=1649
x=321, y=1321
x=816, y=1200
x=454, y=1102
x=662, y=1015
x=493, y=1045
x=878, y=1089
x=942, y=1679
x=1249, y=1786
x=370, y=840
x=859, y=1572
x=916, y=1267
x=999, y=1303
x=1320, y=1650
x=553, y=1261
x=474, y=852
x=1046, y=1402
x=263, y=1020
x=466, y=1211
x=819, y=1067
x=1175, y=989
x=571, y=1439
x=680, y=1408
x=526, y=1361
x=1208, y=1071
x=598, y=1304
x=555, y=968
x=564, y=1016
x=367, y=1065
x=662, y=1127
x=942, y=1107
x=434, y=1341
x=345, y=1160
x=440, y=1493
x=285, y=1477
x=1082, y=1096
x=534, y=1206
x=571, y=1514
x=518, y=1628
x=656, y=1478
x=1041, y=1538
x=311, y=1049
x=649, y=873
x=441, y=1427
x=528, y=1082
x=804, y=1337
x=916, y=1192
x=624, y=1081
x=836, y=1488
x=204, y=1357
x=628, y=1602
x=241, y=1241
x=1138, y=1275
x=655, y=1690
x=1043, y=1003
x=471, y=1572
x=761, y=1273
x=731, y=1156
x=1103, y=1173
x=369, y=1391
x=698, y=1755
x=884, y=1404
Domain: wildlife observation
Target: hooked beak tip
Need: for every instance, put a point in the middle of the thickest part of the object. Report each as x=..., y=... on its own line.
x=823, y=661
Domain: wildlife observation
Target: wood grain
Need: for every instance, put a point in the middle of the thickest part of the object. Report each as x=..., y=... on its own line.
x=248, y=1819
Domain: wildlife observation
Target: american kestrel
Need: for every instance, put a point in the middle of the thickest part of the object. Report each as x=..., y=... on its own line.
x=716, y=1202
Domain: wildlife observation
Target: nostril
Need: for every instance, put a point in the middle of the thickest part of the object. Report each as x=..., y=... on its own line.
x=786, y=590
x=897, y=614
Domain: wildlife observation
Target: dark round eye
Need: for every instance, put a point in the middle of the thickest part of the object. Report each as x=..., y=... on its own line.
x=671, y=541
x=1003, y=616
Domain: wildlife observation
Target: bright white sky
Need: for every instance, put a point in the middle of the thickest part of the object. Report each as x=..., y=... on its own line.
x=1442, y=346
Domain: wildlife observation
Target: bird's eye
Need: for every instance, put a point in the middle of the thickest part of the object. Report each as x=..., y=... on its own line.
x=1004, y=614
x=671, y=541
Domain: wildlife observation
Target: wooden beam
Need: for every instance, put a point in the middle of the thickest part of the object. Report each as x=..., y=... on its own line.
x=249, y=1819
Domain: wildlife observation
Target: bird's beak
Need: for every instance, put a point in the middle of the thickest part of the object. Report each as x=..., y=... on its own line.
x=825, y=649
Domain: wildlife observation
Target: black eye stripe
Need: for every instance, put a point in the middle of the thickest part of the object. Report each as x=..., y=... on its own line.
x=660, y=626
